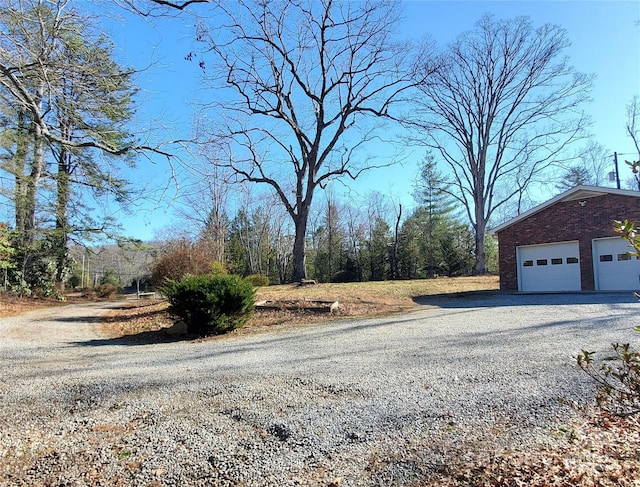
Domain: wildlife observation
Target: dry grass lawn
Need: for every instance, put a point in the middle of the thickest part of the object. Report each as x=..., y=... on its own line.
x=355, y=300
x=138, y=317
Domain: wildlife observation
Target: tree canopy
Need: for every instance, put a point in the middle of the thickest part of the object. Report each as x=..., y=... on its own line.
x=65, y=104
x=501, y=107
x=303, y=84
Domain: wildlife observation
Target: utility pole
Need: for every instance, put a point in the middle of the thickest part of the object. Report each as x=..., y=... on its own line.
x=615, y=162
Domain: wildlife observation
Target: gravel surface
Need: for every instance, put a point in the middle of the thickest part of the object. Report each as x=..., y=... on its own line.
x=385, y=401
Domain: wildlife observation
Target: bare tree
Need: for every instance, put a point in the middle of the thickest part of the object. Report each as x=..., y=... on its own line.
x=633, y=130
x=282, y=243
x=633, y=122
x=158, y=7
x=304, y=84
x=356, y=231
x=204, y=207
x=590, y=167
x=501, y=108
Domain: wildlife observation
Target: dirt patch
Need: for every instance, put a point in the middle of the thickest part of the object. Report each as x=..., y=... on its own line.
x=11, y=305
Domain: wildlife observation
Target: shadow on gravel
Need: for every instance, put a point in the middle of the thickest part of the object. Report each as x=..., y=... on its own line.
x=79, y=319
x=491, y=299
x=142, y=338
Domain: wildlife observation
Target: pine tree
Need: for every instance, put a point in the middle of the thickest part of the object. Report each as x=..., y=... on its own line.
x=66, y=102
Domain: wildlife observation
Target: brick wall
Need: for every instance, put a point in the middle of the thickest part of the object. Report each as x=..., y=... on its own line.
x=561, y=222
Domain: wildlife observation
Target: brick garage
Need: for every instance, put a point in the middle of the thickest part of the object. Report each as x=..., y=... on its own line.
x=570, y=230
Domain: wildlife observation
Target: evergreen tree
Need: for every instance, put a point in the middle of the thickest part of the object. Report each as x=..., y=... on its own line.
x=435, y=214
x=379, y=247
x=250, y=243
x=65, y=102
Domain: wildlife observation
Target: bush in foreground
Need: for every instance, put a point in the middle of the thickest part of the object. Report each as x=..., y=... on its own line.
x=106, y=290
x=617, y=378
x=211, y=304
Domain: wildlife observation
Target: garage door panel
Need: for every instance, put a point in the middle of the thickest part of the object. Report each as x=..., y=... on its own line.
x=615, y=266
x=549, y=267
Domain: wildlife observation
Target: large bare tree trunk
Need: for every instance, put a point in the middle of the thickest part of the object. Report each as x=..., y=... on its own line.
x=299, y=244
x=31, y=189
x=480, y=252
x=19, y=166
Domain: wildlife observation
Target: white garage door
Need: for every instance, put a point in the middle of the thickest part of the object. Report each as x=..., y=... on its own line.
x=614, y=266
x=549, y=267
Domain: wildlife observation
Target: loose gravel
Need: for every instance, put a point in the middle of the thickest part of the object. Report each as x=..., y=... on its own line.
x=373, y=402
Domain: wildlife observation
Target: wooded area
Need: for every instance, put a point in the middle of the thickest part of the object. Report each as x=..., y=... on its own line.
x=301, y=94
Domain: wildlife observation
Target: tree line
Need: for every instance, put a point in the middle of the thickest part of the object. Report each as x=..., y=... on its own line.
x=347, y=241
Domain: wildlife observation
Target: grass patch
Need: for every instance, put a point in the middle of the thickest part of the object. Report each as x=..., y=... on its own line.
x=361, y=299
x=356, y=299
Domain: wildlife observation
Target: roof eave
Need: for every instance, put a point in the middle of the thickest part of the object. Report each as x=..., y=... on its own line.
x=577, y=192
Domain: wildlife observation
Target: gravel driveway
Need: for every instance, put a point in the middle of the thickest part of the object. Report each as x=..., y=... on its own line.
x=382, y=401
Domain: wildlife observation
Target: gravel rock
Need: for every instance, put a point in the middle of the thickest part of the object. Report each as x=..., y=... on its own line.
x=384, y=401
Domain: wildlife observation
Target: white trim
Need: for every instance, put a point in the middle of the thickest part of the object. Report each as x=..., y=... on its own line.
x=518, y=260
x=579, y=192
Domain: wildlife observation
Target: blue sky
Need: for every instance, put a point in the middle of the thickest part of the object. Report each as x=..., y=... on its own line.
x=605, y=38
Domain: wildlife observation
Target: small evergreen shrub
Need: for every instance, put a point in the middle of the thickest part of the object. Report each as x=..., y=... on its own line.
x=258, y=280
x=211, y=304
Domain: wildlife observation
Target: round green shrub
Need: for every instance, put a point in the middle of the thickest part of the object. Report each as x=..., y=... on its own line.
x=211, y=304
x=258, y=280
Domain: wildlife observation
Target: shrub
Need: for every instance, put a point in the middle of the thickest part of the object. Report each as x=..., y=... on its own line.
x=106, y=291
x=617, y=378
x=182, y=259
x=217, y=267
x=211, y=304
x=258, y=280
